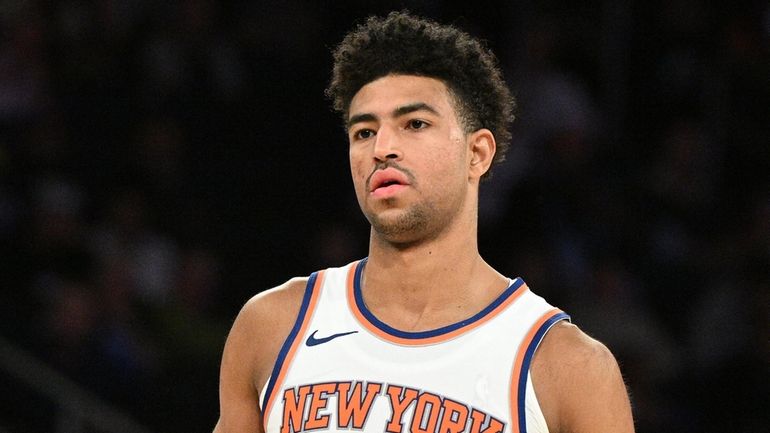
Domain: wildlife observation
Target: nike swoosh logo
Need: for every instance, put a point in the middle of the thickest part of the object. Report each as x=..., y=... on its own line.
x=312, y=341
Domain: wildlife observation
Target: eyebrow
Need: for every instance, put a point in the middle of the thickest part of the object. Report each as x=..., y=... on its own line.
x=410, y=108
x=398, y=112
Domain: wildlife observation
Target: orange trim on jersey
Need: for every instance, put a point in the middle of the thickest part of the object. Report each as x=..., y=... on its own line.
x=519, y=364
x=427, y=340
x=308, y=314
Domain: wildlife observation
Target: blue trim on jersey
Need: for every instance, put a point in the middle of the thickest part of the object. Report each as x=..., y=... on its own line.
x=522, y=389
x=517, y=283
x=289, y=340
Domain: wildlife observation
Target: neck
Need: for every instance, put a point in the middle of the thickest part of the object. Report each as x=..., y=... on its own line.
x=424, y=284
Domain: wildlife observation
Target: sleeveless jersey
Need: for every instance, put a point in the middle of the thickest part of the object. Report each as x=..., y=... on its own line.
x=341, y=369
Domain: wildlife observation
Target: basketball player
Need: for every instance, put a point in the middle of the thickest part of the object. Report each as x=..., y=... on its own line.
x=423, y=335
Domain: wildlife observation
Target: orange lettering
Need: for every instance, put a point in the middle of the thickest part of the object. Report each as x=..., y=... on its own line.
x=352, y=406
x=318, y=400
x=478, y=418
x=398, y=406
x=454, y=418
x=293, y=409
x=431, y=403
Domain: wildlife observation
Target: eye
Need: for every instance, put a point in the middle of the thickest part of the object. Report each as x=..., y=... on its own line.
x=416, y=124
x=363, y=134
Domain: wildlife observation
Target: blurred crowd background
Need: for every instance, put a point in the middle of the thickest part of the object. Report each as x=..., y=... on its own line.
x=162, y=162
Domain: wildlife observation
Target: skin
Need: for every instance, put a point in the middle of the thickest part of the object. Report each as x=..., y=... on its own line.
x=424, y=269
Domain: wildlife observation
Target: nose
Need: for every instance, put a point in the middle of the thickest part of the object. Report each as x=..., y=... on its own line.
x=387, y=145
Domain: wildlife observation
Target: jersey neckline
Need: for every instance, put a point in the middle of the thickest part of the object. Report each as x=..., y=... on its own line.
x=411, y=338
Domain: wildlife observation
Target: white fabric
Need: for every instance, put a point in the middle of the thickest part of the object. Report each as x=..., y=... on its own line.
x=471, y=370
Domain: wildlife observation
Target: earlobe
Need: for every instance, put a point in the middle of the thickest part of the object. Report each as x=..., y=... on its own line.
x=482, y=152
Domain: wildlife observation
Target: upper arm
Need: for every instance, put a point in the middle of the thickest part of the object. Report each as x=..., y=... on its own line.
x=579, y=385
x=250, y=351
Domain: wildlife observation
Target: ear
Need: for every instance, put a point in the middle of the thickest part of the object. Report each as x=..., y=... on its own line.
x=482, y=148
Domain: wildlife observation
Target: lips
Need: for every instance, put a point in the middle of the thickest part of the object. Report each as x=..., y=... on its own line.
x=389, y=179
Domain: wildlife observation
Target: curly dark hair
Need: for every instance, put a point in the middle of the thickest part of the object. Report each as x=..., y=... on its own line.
x=403, y=44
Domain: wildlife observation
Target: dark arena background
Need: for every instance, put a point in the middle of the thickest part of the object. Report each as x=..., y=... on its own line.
x=162, y=162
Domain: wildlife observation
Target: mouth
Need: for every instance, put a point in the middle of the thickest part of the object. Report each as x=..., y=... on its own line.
x=387, y=181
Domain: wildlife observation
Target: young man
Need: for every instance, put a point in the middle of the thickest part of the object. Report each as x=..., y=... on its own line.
x=423, y=335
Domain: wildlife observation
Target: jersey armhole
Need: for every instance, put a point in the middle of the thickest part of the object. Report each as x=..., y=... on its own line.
x=289, y=348
x=521, y=382
x=534, y=415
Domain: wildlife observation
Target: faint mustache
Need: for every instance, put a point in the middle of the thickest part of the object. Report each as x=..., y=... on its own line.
x=389, y=164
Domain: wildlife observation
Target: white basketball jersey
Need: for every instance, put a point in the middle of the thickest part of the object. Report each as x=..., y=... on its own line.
x=341, y=369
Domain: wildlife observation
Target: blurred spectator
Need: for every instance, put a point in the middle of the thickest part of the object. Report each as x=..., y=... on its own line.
x=147, y=259
x=23, y=68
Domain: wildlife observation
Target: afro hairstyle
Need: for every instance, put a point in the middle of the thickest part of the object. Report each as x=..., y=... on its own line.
x=402, y=44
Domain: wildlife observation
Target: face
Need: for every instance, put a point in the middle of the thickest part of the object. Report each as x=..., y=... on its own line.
x=409, y=156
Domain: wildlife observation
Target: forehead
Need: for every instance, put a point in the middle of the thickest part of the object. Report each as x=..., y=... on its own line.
x=387, y=93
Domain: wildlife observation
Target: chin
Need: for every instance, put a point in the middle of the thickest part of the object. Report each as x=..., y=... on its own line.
x=405, y=228
x=401, y=225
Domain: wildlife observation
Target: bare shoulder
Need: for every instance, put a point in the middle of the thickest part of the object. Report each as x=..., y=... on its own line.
x=276, y=303
x=579, y=384
x=566, y=349
x=251, y=349
x=266, y=319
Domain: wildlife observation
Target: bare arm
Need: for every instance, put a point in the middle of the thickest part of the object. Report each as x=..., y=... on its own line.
x=579, y=384
x=250, y=352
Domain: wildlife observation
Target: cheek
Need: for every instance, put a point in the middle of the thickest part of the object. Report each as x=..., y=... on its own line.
x=357, y=171
x=453, y=172
x=452, y=162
